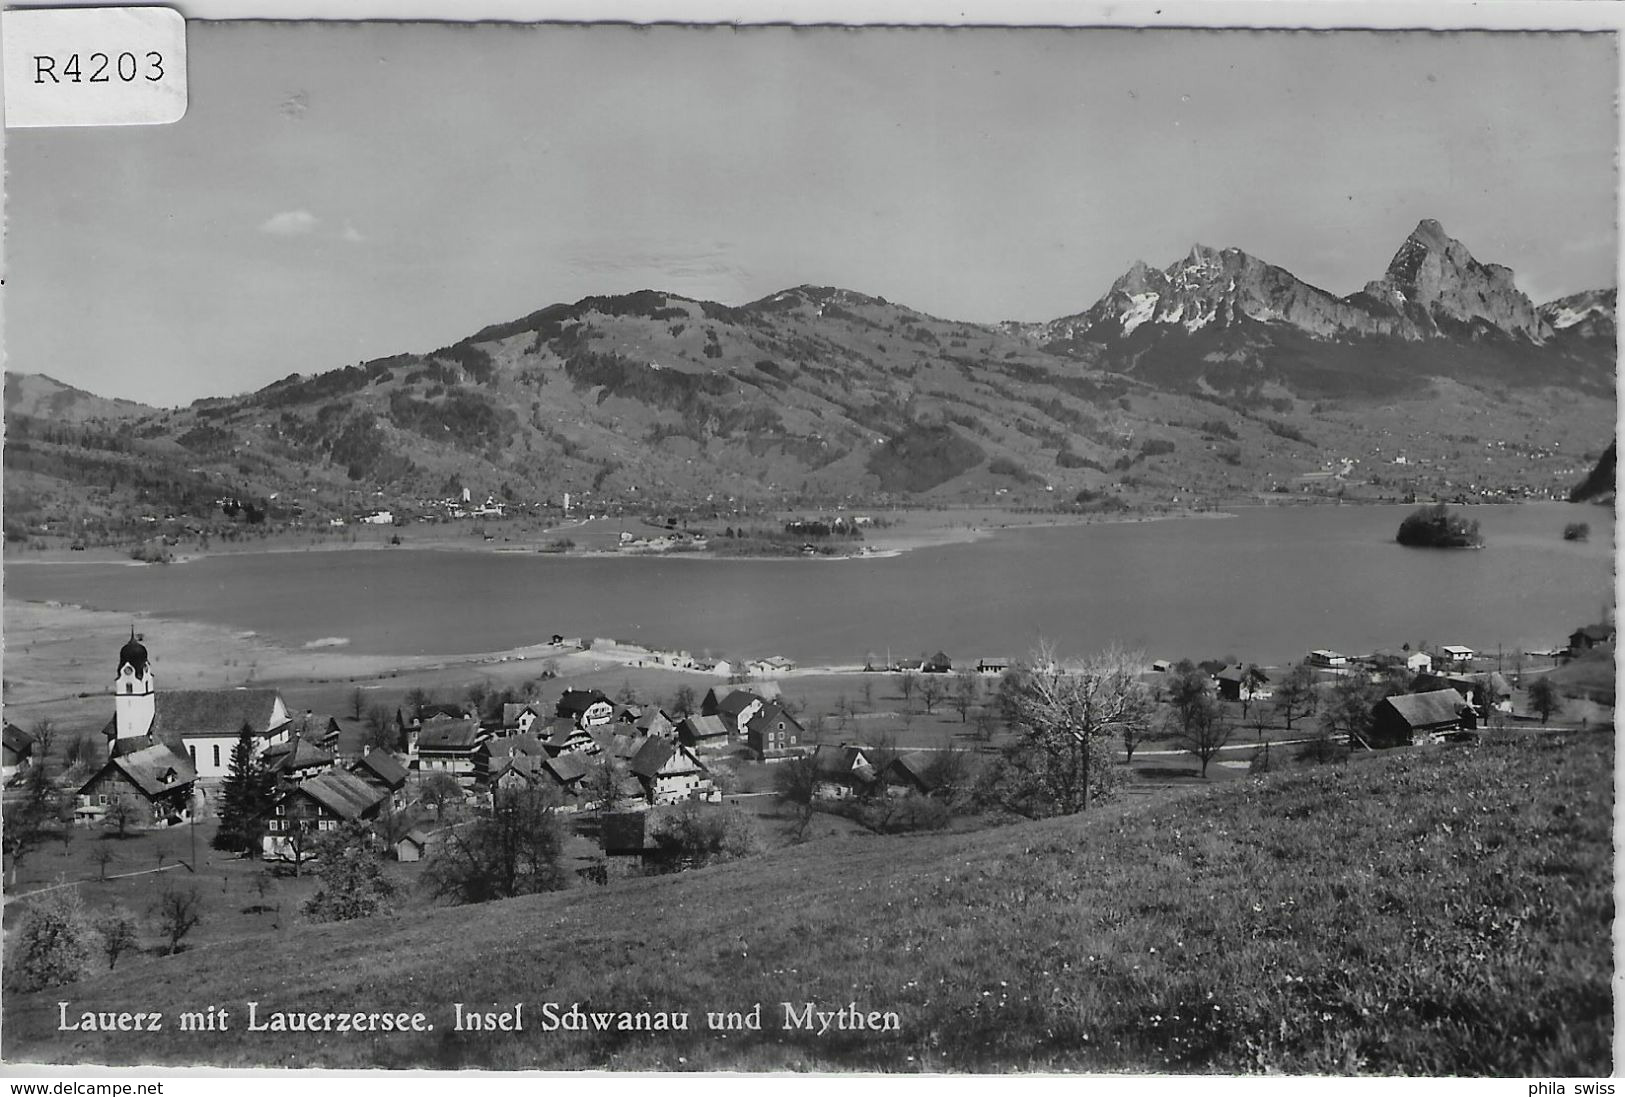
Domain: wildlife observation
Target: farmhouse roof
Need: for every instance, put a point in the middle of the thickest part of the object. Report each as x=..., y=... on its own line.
x=1420, y=710
x=568, y=768
x=915, y=767
x=155, y=770
x=449, y=735
x=382, y=765
x=298, y=753
x=18, y=740
x=704, y=727
x=342, y=793
x=574, y=702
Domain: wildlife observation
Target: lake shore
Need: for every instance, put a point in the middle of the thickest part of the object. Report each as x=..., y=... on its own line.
x=904, y=531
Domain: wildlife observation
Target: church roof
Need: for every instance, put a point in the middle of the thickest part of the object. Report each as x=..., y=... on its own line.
x=133, y=653
x=190, y=713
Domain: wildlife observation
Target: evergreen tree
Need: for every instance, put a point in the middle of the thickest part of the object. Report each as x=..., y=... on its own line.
x=244, y=797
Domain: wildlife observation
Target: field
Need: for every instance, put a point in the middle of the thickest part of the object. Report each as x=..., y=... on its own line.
x=1440, y=910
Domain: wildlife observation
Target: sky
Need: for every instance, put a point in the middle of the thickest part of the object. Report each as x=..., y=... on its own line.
x=341, y=192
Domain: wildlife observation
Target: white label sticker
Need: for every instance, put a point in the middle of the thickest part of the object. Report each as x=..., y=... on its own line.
x=94, y=66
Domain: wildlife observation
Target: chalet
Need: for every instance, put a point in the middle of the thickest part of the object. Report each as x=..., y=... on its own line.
x=843, y=772
x=910, y=773
x=770, y=667
x=614, y=742
x=1455, y=655
x=1582, y=640
x=703, y=733
x=712, y=703
x=450, y=746
x=993, y=664
x=654, y=721
x=741, y=706
x=204, y=724
x=18, y=750
x=519, y=718
x=494, y=756
x=587, y=707
x=668, y=771
x=384, y=772
x=1161, y=666
x=1236, y=681
x=412, y=845
x=1410, y=718
x=563, y=774
x=319, y=728
x=155, y=777
x=937, y=664
x=321, y=804
x=1322, y=657
x=298, y=759
x=562, y=735
x=772, y=732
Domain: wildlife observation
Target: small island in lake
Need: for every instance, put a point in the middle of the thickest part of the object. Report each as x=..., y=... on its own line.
x=1436, y=527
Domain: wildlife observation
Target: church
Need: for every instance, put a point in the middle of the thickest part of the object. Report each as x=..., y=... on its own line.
x=200, y=725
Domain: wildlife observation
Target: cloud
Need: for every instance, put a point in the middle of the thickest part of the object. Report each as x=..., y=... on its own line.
x=351, y=234
x=296, y=222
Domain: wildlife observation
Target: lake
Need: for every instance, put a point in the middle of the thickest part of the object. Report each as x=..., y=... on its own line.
x=1266, y=585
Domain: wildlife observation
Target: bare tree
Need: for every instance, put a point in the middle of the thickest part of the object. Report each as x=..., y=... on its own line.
x=102, y=857
x=118, y=934
x=1296, y=695
x=1065, y=721
x=967, y=688
x=932, y=689
x=179, y=910
x=1202, y=727
x=683, y=703
x=121, y=815
x=516, y=850
x=795, y=782
x=381, y=732
x=439, y=789
x=358, y=702
x=906, y=683
x=44, y=736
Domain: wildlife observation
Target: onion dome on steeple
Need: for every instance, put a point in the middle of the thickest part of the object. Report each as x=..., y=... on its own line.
x=133, y=654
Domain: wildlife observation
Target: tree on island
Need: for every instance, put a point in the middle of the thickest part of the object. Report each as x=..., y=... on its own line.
x=1436, y=527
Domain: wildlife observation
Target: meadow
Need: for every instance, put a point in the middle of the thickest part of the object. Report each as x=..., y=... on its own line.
x=1440, y=910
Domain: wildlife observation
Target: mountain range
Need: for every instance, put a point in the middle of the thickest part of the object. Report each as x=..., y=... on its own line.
x=1218, y=376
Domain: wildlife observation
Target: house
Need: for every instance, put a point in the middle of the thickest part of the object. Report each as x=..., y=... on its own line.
x=296, y=760
x=314, y=807
x=1161, y=666
x=1236, y=682
x=843, y=772
x=18, y=751
x=1410, y=718
x=520, y=718
x=412, y=845
x=1455, y=655
x=771, y=732
x=770, y=667
x=384, y=772
x=668, y=771
x=319, y=728
x=562, y=735
x=703, y=733
x=712, y=703
x=937, y=664
x=1322, y=657
x=1417, y=662
x=739, y=707
x=155, y=778
x=587, y=707
x=450, y=746
x=654, y=721
x=1582, y=640
x=204, y=725
x=1483, y=691
x=563, y=773
x=910, y=773
x=993, y=664
x=494, y=756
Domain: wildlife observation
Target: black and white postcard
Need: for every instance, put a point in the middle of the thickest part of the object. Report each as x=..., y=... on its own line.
x=570, y=545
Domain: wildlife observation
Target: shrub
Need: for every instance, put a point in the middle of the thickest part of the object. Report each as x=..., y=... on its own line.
x=52, y=944
x=1577, y=531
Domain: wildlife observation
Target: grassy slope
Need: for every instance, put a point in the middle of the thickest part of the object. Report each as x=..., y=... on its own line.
x=1435, y=911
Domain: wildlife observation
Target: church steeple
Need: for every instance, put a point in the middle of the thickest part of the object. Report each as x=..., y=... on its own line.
x=133, y=703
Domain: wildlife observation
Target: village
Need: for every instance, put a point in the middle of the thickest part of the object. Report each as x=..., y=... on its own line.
x=762, y=763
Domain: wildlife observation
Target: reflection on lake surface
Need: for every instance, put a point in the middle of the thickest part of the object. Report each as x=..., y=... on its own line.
x=1266, y=585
